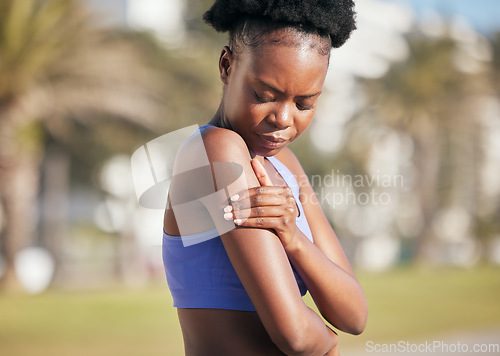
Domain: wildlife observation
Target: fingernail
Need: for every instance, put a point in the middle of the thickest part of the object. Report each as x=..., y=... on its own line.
x=235, y=197
x=228, y=216
x=237, y=221
x=228, y=209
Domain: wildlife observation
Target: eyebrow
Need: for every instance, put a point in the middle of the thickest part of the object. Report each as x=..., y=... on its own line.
x=281, y=92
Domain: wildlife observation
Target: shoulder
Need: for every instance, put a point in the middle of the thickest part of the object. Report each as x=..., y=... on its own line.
x=211, y=144
x=224, y=153
x=224, y=145
x=288, y=158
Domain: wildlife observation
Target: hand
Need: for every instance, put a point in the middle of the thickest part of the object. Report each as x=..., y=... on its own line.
x=267, y=206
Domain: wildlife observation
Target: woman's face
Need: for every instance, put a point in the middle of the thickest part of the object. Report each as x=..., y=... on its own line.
x=271, y=93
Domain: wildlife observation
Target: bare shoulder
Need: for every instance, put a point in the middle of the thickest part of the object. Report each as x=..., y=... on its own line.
x=288, y=158
x=212, y=165
x=224, y=145
x=212, y=144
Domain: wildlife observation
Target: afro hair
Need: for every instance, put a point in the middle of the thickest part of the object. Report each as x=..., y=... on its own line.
x=335, y=18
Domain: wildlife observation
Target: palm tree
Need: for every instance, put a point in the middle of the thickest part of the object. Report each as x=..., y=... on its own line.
x=429, y=99
x=56, y=65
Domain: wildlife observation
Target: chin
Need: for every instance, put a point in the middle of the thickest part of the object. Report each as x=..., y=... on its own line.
x=267, y=152
x=265, y=149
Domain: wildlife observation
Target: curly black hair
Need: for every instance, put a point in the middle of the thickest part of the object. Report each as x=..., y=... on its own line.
x=332, y=18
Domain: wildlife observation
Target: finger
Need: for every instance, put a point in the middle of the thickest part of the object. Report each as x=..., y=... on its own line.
x=261, y=190
x=260, y=222
x=261, y=211
x=261, y=173
x=259, y=200
x=282, y=190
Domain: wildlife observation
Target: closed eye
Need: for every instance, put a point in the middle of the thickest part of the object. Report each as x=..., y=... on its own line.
x=261, y=99
x=304, y=107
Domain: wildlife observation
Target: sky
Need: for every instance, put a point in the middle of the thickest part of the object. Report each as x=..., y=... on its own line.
x=483, y=15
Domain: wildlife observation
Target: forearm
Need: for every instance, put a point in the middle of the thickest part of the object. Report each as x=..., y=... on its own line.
x=314, y=338
x=264, y=270
x=335, y=291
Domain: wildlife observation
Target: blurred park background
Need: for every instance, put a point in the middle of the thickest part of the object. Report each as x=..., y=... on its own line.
x=404, y=154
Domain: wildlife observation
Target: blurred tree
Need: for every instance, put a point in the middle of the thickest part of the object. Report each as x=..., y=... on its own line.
x=489, y=224
x=429, y=98
x=60, y=76
x=198, y=30
x=495, y=45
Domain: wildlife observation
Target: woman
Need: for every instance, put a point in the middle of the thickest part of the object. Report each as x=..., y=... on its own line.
x=244, y=235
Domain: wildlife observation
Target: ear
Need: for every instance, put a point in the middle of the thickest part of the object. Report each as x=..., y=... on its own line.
x=226, y=60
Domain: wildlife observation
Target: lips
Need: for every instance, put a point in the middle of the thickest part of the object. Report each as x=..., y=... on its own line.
x=272, y=142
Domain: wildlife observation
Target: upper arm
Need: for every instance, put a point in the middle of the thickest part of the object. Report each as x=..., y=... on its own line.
x=323, y=234
x=257, y=254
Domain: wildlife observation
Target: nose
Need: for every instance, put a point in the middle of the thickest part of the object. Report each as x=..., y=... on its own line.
x=282, y=118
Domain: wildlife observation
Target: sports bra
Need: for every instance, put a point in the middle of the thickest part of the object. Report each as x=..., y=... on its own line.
x=200, y=274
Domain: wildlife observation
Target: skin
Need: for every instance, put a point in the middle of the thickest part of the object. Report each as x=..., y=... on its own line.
x=270, y=96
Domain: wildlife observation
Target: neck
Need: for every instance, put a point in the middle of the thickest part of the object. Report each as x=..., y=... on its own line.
x=220, y=119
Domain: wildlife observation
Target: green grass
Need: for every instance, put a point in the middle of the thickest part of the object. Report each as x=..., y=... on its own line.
x=405, y=304
x=118, y=322
x=413, y=304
